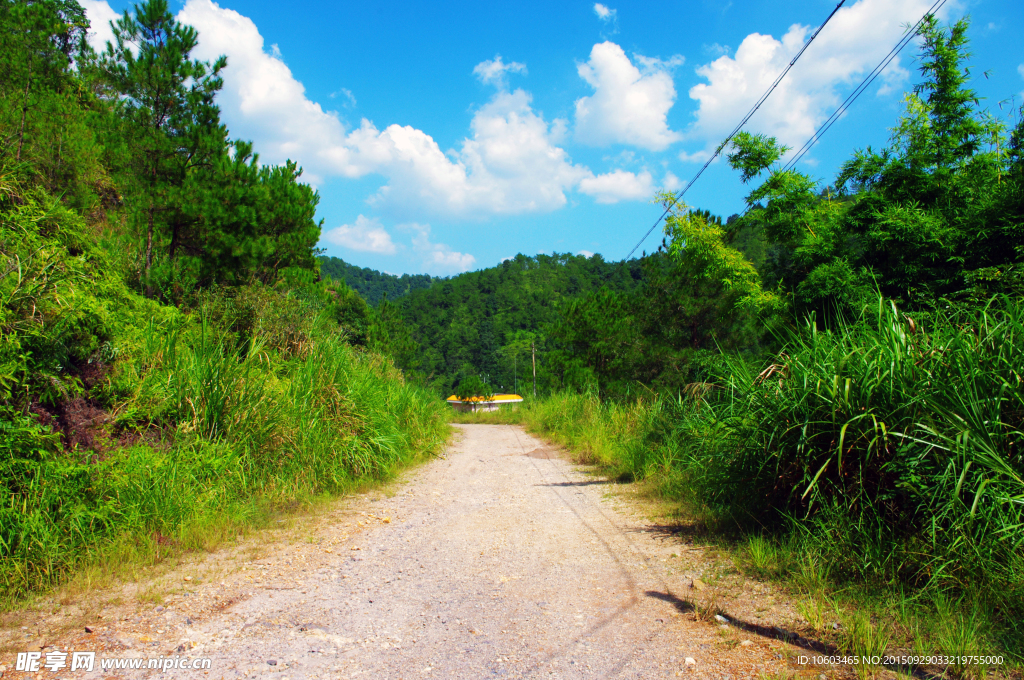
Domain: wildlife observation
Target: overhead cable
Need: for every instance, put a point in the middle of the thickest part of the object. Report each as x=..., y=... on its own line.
x=870, y=78
x=738, y=127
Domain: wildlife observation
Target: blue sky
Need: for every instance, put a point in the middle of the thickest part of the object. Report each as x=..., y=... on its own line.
x=444, y=138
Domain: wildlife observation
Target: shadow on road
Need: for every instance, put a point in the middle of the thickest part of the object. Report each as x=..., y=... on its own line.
x=776, y=633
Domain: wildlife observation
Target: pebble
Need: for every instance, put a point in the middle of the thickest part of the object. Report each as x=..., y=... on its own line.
x=159, y=608
x=746, y=643
x=690, y=661
x=697, y=584
x=271, y=662
x=88, y=629
x=721, y=619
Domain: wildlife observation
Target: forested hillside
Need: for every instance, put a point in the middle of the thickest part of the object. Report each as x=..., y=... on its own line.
x=371, y=284
x=611, y=327
x=487, y=323
x=171, y=371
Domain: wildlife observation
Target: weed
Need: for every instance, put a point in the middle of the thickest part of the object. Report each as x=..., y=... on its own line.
x=706, y=608
x=762, y=554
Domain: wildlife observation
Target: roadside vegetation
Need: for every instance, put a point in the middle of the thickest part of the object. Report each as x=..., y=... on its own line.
x=857, y=433
x=172, y=368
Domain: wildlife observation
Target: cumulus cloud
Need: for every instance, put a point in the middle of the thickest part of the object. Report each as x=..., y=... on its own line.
x=100, y=15
x=604, y=13
x=671, y=183
x=510, y=164
x=585, y=253
x=619, y=185
x=628, y=106
x=437, y=255
x=716, y=50
x=854, y=41
x=367, y=235
x=493, y=72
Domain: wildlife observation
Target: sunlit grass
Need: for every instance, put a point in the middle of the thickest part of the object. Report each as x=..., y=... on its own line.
x=246, y=432
x=880, y=461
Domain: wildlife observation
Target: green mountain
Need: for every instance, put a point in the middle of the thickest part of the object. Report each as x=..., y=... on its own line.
x=487, y=323
x=372, y=284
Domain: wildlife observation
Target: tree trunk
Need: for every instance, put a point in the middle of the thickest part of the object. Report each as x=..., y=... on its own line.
x=24, y=112
x=533, y=349
x=149, y=248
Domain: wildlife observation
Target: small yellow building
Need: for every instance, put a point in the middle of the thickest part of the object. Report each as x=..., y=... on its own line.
x=480, y=404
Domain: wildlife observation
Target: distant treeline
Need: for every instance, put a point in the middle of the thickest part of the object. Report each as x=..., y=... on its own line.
x=371, y=284
x=486, y=323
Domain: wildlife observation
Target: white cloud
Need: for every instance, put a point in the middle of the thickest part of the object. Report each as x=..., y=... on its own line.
x=716, y=50
x=437, y=255
x=262, y=100
x=367, y=235
x=604, y=13
x=619, y=185
x=508, y=166
x=493, y=71
x=671, y=182
x=698, y=156
x=511, y=163
x=585, y=253
x=350, y=99
x=100, y=15
x=854, y=42
x=627, y=106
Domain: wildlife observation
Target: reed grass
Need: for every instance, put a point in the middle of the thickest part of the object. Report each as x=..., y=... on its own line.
x=229, y=435
x=878, y=457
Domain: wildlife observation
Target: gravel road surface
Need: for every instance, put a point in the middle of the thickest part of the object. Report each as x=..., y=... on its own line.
x=499, y=559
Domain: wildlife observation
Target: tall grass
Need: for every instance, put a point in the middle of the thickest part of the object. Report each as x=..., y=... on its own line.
x=886, y=453
x=229, y=432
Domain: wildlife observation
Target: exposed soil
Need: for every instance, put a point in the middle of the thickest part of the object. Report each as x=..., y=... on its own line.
x=81, y=422
x=500, y=559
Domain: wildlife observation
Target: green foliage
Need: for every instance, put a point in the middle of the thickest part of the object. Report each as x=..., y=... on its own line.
x=753, y=154
x=166, y=103
x=471, y=387
x=889, y=451
x=932, y=217
x=701, y=241
x=126, y=423
x=244, y=222
x=664, y=334
x=464, y=325
x=372, y=285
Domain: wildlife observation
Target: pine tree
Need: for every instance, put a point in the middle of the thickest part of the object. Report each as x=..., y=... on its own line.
x=167, y=100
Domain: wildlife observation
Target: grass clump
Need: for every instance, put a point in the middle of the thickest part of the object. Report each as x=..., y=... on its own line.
x=878, y=457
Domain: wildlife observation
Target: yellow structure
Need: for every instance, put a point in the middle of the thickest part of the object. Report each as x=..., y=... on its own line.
x=480, y=404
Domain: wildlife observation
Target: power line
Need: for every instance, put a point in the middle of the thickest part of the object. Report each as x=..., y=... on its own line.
x=738, y=127
x=865, y=84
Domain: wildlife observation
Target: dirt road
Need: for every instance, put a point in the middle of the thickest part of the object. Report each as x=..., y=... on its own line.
x=500, y=559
